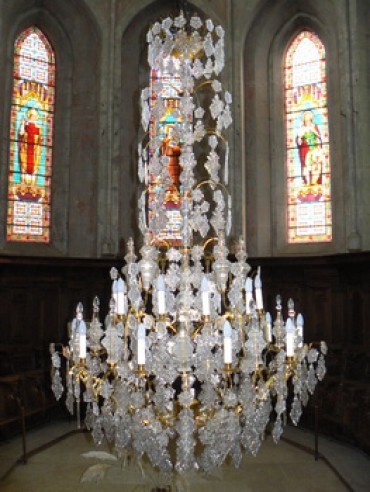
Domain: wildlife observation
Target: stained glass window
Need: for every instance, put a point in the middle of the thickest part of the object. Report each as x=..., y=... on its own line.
x=307, y=141
x=31, y=138
x=165, y=90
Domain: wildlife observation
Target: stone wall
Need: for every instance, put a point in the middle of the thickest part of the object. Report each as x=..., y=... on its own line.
x=101, y=67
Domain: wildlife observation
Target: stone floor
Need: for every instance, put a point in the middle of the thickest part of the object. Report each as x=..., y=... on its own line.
x=288, y=466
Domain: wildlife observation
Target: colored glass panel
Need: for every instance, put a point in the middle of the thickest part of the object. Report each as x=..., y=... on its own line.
x=164, y=91
x=31, y=139
x=307, y=141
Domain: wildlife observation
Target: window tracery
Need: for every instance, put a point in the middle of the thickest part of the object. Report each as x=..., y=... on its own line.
x=308, y=170
x=31, y=138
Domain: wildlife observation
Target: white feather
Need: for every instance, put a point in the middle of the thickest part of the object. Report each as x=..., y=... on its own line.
x=100, y=455
x=95, y=473
x=141, y=466
x=181, y=483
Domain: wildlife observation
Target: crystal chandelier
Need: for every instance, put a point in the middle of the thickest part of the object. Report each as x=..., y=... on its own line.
x=188, y=369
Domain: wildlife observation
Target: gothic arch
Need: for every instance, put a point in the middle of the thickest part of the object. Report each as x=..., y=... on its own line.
x=74, y=61
x=264, y=148
x=31, y=139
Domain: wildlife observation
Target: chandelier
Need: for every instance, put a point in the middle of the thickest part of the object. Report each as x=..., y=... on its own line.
x=187, y=368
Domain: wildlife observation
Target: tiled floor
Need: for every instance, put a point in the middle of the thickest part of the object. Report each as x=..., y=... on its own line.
x=282, y=468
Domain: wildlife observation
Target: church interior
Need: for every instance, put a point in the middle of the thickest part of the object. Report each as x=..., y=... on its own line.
x=83, y=111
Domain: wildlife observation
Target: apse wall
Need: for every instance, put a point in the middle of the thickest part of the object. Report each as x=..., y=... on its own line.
x=101, y=69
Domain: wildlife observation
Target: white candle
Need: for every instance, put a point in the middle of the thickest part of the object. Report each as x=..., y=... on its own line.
x=115, y=294
x=258, y=287
x=228, y=358
x=248, y=294
x=82, y=341
x=300, y=323
x=289, y=338
x=206, y=307
x=161, y=295
x=121, y=304
x=268, y=332
x=141, y=344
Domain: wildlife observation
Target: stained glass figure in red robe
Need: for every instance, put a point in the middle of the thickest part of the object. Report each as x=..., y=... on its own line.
x=171, y=148
x=30, y=138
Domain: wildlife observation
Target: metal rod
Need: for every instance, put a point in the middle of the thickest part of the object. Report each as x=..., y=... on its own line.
x=23, y=425
x=78, y=414
x=316, y=432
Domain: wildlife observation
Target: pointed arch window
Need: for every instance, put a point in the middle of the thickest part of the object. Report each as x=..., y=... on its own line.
x=31, y=138
x=309, y=203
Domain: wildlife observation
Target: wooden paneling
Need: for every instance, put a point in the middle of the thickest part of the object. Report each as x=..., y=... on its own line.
x=38, y=296
x=333, y=293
